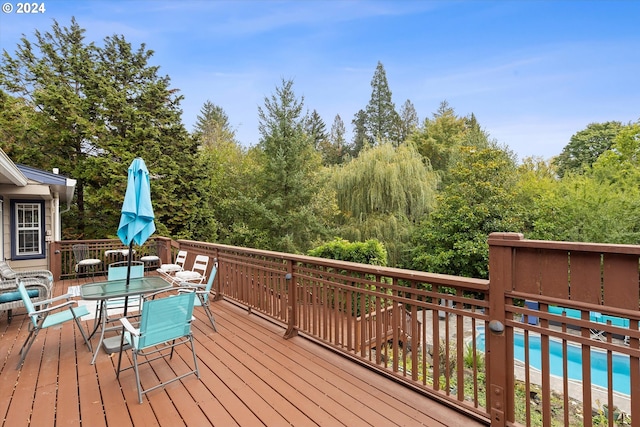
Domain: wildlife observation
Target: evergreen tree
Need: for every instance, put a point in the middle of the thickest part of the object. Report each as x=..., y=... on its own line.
x=289, y=177
x=360, y=140
x=96, y=109
x=334, y=149
x=20, y=135
x=212, y=125
x=382, y=121
x=316, y=129
x=408, y=120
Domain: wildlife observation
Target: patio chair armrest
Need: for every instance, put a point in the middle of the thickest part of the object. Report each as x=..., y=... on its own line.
x=196, y=291
x=191, y=286
x=29, y=282
x=166, y=276
x=163, y=272
x=67, y=296
x=126, y=324
x=152, y=295
x=36, y=273
x=52, y=308
x=9, y=285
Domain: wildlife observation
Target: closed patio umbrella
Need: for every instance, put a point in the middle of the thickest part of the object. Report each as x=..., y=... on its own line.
x=136, y=221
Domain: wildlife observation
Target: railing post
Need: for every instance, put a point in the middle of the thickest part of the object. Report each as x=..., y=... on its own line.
x=217, y=284
x=292, y=331
x=55, y=260
x=499, y=394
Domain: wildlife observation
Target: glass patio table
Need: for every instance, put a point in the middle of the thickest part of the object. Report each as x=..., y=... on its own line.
x=102, y=291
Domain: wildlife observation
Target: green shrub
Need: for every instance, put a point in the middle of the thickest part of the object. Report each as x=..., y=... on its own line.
x=370, y=252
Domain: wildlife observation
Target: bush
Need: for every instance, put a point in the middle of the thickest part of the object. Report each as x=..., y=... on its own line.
x=370, y=252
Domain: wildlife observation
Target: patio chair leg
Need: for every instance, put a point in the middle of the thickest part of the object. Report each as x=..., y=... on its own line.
x=597, y=334
x=209, y=313
x=137, y=372
x=195, y=358
x=120, y=354
x=27, y=346
x=86, y=339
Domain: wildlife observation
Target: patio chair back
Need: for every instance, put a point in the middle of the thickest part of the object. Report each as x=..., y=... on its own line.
x=178, y=265
x=207, y=288
x=200, y=265
x=83, y=260
x=196, y=275
x=165, y=319
x=118, y=270
x=181, y=258
x=28, y=305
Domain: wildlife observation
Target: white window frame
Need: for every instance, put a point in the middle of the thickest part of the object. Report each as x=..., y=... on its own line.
x=34, y=229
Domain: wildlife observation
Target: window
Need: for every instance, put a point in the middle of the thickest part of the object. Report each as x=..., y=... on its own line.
x=27, y=229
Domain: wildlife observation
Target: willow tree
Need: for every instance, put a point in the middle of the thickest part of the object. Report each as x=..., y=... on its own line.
x=383, y=193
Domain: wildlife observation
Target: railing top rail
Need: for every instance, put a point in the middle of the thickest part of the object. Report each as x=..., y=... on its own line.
x=410, y=275
x=517, y=240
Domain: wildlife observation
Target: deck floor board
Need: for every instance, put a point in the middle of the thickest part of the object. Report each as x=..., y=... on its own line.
x=250, y=376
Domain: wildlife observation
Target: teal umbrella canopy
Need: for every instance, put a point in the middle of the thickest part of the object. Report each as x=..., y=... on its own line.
x=136, y=221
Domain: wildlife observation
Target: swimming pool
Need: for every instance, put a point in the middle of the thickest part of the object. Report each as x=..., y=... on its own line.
x=621, y=383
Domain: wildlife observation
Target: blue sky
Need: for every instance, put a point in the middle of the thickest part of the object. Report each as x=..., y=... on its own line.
x=533, y=72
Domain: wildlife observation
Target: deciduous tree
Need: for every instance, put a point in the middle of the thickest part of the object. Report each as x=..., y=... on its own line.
x=477, y=201
x=585, y=147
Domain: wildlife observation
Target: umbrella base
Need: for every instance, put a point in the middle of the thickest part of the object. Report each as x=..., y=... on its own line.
x=112, y=345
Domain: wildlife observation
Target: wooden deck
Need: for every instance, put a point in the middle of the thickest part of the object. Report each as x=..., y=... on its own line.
x=250, y=376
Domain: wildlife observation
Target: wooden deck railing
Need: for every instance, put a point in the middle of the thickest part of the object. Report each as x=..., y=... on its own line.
x=456, y=339
x=62, y=261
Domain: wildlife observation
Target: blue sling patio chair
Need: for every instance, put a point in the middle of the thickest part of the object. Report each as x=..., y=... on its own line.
x=118, y=271
x=50, y=315
x=164, y=324
x=204, y=293
x=110, y=310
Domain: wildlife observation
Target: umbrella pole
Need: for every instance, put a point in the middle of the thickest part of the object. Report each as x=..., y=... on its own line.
x=126, y=299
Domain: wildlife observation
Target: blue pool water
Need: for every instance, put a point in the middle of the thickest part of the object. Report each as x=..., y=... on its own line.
x=621, y=382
